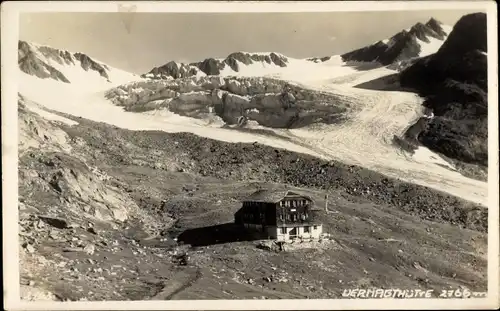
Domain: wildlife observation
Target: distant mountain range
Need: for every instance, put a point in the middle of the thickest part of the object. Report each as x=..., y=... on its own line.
x=419, y=40
x=212, y=66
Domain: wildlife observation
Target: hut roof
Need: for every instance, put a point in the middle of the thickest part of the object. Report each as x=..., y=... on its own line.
x=272, y=196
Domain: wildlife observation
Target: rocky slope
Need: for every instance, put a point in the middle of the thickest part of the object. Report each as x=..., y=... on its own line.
x=233, y=101
x=100, y=208
x=212, y=66
x=454, y=83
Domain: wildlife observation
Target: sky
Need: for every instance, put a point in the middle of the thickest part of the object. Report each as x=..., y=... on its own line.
x=137, y=42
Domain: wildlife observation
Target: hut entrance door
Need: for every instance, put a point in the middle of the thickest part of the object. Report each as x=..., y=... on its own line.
x=293, y=233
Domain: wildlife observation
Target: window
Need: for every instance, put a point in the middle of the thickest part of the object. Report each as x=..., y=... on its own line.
x=281, y=217
x=306, y=229
x=315, y=227
x=283, y=230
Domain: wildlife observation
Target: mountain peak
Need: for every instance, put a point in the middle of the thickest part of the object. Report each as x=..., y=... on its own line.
x=46, y=62
x=417, y=41
x=432, y=21
x=437, y=27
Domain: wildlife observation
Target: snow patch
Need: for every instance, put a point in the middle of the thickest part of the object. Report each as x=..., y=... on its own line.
x=51, y=116
x=429, y=48
x=424, y=155
x=391, y=43
x=296, y=69
x=447, y=29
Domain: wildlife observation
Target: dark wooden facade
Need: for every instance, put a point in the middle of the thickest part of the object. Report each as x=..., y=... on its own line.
x=286, y=210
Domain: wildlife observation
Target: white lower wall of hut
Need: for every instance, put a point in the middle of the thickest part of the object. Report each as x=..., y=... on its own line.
x=285, y=234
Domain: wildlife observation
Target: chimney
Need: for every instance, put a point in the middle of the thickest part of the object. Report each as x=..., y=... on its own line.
x=326, y=203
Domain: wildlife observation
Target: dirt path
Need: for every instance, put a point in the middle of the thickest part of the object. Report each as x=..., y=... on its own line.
x=178, y=283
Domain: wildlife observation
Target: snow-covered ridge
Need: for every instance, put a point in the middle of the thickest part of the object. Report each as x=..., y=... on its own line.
x=69, y=67
x=296, y=70
x=232, y=64
x=419, y=40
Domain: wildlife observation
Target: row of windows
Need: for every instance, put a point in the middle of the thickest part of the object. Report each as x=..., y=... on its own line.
x=254, y=205
x=253, y=216
x=282, y=217
x=306, y=229
x=294, y=203
x=285, y=203
x=294, y=217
